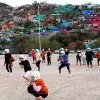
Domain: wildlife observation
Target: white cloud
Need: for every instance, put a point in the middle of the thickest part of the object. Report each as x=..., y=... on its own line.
x=22, y=2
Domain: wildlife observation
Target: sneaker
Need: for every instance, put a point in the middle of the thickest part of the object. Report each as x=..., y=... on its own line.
x=88, y=69
x=70, y=75
x=10, y=74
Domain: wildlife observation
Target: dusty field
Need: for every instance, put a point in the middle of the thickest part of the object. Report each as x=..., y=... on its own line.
x=83, y=85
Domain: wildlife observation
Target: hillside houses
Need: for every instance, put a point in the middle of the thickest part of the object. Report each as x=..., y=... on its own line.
x=63, y=17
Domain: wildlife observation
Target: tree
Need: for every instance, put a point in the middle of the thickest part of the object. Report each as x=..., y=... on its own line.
x=96, y=44
x=20, y=41
x=3, y=5
x=27, y=43
x=62, y=39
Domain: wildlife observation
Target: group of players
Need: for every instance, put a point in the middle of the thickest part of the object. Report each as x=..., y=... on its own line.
x=85, y=57
x=37, y=86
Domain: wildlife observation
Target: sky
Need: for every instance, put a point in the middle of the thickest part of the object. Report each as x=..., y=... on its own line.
x=15, y=3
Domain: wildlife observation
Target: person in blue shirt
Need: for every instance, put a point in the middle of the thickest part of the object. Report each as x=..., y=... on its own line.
x=63, y=58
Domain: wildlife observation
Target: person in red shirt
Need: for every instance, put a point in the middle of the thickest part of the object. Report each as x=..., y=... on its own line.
x=43, y=52
x=98, y=56
x=33, y=55
x=37, y=86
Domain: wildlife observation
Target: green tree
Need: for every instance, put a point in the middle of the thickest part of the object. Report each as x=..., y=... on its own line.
x=96, y=44
x=27, y=43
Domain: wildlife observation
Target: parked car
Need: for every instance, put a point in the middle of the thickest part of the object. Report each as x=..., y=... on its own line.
x=30, y=53
x=95, y=50
x=72, y=51
x=3, y=53
x=56, y=51
x=26, y=52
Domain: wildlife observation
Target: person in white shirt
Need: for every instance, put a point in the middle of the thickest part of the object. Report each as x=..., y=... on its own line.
x=38, y=59
x=83, y=57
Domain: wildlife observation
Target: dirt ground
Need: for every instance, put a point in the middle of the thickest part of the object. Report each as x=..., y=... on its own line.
x=82, y=85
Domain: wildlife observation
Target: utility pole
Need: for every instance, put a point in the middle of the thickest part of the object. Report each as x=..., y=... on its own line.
x=39, y=27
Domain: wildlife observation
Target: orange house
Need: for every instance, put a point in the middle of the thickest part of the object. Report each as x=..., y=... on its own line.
x=4, y=26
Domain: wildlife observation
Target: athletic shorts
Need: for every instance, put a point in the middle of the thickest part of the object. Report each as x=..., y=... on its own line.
x=35, y=93
x=43, y=58
x=34, y=58
x=26, y=74
x=89, y=61
x=64, y=65
x=78, y=59
x=98, y=59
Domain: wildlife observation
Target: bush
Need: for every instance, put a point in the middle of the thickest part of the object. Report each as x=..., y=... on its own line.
x=96, y=44
x=27, y=43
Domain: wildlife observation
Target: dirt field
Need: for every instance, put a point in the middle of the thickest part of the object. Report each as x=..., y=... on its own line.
x=83, y=85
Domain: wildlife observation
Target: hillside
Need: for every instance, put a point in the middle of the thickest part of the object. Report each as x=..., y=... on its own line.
x=5, y=13
x=73, y=24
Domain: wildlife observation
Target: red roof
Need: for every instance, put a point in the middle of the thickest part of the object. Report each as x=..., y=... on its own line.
x=12, y=23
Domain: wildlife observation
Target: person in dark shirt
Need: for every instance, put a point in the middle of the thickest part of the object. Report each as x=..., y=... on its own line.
x=26, y=65
x=48, y=57
x=89, y=57
x=7, y=62
x=66, y=52
x=78, y=58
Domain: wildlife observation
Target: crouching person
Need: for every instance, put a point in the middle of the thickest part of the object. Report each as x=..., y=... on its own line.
x=26, y=65
x=37, y=86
